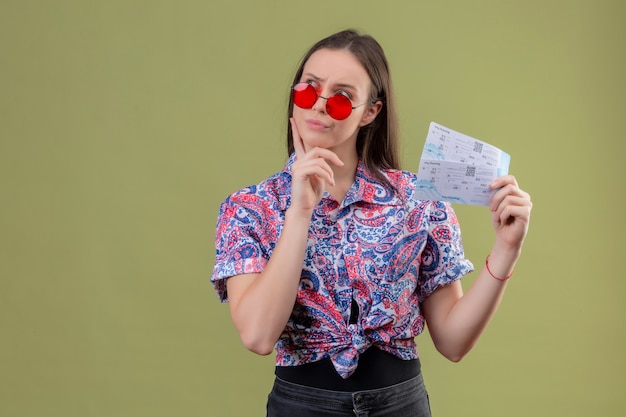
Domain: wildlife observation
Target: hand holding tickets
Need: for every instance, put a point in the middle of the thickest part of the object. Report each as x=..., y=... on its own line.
x=458, y=168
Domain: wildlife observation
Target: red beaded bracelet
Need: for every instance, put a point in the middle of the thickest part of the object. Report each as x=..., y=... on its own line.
x=491, y=273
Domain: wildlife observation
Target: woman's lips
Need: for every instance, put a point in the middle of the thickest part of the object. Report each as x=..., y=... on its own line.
x=315, y=124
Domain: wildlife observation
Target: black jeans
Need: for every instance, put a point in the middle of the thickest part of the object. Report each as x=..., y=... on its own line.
x=406, y=399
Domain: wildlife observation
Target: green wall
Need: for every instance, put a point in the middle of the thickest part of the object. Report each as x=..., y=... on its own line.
x=123, y=125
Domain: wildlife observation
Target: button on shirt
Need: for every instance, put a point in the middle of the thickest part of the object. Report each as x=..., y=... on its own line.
x=383, y=248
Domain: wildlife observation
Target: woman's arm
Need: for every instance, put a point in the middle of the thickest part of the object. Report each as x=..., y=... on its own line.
x=261, y=304
x=456, y=320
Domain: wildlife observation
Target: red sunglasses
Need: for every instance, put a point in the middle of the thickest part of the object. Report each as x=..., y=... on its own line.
x=338, y=106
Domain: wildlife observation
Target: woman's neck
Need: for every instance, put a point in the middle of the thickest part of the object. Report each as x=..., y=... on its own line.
x=344, y=176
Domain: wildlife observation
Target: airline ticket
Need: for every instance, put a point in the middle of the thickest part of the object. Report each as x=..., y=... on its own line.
x=458, y=168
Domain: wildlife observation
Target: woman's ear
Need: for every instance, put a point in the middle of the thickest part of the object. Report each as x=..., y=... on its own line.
x=371, y=113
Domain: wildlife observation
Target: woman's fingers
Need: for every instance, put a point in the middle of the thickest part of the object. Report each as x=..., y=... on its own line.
x=510, y=207
x=502, y=181
x=316, y=152
x=513, y=207
x=506, y=186
x=298, y=145
x=311, y=170
x=317, y=166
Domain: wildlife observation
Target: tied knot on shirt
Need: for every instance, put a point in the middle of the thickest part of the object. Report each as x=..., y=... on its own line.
x=347, y=359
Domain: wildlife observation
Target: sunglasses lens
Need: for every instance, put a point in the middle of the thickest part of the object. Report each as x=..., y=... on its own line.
x=339, y=107
x=304, y=95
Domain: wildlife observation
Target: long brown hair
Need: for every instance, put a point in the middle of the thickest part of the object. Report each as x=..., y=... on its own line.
x=377, y=142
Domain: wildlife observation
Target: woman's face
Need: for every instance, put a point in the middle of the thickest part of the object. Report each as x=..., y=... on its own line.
x=333, y=71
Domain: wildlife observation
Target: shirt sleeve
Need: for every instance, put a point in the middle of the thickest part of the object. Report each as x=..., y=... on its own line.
x=238, y=241
x=443, y=260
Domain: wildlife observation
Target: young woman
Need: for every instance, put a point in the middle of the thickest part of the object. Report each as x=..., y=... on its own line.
x=337, y=265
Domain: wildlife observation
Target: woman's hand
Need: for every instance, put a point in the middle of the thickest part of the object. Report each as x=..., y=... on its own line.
x=310, y=172
x=510, y=212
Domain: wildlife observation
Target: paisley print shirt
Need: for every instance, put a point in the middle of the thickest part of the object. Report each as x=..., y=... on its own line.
x=386, y=250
